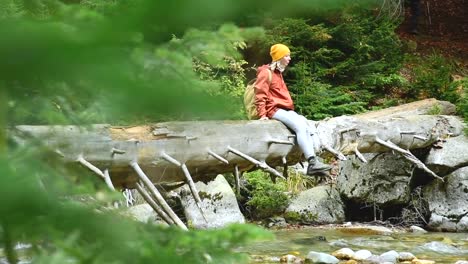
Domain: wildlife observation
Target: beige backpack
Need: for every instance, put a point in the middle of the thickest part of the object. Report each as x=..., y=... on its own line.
x=249, y=97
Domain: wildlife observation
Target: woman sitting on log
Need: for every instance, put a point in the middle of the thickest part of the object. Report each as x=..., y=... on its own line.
x=273, y=101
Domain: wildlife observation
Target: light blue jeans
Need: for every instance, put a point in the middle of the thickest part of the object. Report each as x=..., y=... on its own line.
x=302, y=129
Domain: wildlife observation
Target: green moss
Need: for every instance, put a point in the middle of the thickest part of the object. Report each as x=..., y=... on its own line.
x=293, y=217
x=302, y=217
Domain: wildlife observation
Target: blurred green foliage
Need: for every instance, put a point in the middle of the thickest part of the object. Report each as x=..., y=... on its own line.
x=38, y=208
x=137, y=61
x=118, y=62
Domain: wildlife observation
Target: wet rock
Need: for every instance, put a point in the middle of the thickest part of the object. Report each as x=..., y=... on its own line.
x=461, y=262
x=406, y=256
x=452, y=155
x=362, y=254
x=441, y=223
x=290, y=259
x=219, y=205
x=441, y=248
x=273, y=259
x=374, y=259
x=344, y=253
x=384, y=179
x=462, y=225
x=350, y=261
x=389, y=256
x=321, y=204
x=318, y=257
x=449, y=198
x=339, y=243
x=276, y=222
x=366, y=230
x=422, y=261
x=310, y=240
x=417, y=229
x=262, y=258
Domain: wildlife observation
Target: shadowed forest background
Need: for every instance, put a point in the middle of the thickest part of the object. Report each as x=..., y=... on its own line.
x=136, y=62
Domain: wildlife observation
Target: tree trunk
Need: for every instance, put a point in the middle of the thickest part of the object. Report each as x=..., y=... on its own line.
x=165, y=151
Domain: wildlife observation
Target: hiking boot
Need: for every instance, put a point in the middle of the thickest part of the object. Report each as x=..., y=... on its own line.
x=316, y=167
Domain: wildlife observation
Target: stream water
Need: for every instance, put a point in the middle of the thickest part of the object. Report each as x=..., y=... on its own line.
x=440, y=247
x=443, y=248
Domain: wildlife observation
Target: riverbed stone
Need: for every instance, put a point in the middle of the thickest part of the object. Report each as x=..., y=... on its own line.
x=338, y=243
x=452, y=155
x=290, y=259
x=276, y=222
x=384, y=179
x=389, y=256
x=366, y=230
x=344, y=253
x=374, y=259
x=417, y=229
x=406, y=256
x=462, y=262
x=321, y=204
x=422, y=261
x=218, y=203
x=449, y=198
x=362, y=254
x=319, y=257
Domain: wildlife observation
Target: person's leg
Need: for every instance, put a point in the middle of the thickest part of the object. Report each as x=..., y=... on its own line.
x=304, y=138
x=292, y=120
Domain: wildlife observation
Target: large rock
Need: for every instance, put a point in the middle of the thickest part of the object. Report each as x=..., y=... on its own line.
x=449, y=198
x=462, y=225
x=448, y=201
x=384, y=179
x=321, y=204
x=452, y=155
x=445, y=224
x=442, y=223
x=219, y=205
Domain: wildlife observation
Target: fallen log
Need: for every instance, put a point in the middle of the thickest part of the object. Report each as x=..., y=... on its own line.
x=177, y=151
x=422, y=107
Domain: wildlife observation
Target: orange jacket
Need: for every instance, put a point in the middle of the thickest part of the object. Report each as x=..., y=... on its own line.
x=271, y=97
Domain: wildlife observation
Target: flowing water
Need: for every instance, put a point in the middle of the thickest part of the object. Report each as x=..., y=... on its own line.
x=440, y=247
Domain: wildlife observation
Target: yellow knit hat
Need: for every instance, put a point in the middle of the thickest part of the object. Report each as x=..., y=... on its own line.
x=278, y=51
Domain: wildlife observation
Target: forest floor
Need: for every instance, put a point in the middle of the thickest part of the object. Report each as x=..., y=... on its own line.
x=442, y=28
x=454, y=49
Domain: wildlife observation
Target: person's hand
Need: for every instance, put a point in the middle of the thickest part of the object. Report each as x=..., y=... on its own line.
x=264, y=118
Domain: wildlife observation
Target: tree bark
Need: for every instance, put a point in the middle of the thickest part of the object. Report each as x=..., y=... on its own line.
x=208, y=148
